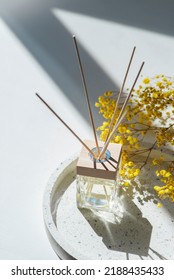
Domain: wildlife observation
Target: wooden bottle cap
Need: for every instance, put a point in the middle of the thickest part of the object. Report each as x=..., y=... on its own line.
x=105, y=168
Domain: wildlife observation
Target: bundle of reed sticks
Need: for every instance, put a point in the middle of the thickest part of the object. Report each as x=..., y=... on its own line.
x=123, y=112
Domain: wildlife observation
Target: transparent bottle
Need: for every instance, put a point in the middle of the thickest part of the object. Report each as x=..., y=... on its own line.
x=95, y=193
x=98, y=186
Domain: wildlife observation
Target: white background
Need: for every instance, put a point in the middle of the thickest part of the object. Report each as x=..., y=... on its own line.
x=37, y=55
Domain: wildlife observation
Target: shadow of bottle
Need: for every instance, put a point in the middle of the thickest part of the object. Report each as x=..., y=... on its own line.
x=131, y=235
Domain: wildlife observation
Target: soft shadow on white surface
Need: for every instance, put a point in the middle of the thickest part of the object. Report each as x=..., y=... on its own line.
x=51, y=44
x=156, y=15
x=39, y=54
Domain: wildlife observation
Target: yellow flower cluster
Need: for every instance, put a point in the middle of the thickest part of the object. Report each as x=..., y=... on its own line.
x=165, y=135
x=151, y=103
x=158, y=161
x=155, y=96
x=167, y=190
x=128, y=170
x=106, y=104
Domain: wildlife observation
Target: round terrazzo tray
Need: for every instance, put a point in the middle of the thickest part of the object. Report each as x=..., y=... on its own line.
x=145, y=232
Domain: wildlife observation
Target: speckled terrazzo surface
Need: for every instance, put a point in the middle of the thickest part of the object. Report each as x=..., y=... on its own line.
x=145, y=232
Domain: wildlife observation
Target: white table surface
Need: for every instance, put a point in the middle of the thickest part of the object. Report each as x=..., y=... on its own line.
x=37, y=55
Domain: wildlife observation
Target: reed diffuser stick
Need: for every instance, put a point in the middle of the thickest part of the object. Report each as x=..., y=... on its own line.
x=120, y=93
x=121, y=115
x=65, y=124
x=86, y=92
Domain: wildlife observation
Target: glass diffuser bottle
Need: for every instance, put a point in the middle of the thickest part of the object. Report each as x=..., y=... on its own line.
x=98, y=180
x=97, y=173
